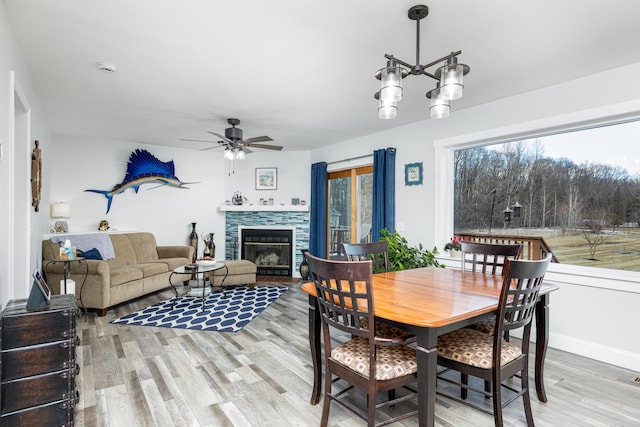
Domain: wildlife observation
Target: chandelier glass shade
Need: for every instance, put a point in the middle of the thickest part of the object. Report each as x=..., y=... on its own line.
x=449, y=77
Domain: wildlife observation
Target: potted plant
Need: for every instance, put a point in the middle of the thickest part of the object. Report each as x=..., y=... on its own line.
x=454, y=246
x=404, y=257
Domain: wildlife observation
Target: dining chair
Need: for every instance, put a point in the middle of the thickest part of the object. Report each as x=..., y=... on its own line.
x=491, y=357
x=378, y=254
x=368, y=362
x=487, y=258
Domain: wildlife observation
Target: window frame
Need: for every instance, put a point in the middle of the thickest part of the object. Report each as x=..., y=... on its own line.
x=605, y=278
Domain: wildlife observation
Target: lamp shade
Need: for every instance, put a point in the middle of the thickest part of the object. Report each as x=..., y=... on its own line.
x=386, y=109
x=391, y=83
x=228, y=154
x=439, y=106
x=60, y=210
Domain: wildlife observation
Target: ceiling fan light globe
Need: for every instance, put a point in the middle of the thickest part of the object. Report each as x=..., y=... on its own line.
x=240, y=155
x=228, y=154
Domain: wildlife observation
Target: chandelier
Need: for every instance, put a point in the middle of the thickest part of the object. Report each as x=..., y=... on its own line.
x=449, y=77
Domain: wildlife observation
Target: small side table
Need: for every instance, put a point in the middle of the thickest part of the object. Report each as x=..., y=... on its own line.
x=66, y=271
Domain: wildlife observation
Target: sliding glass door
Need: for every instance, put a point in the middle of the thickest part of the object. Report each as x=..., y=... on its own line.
x=350, y=196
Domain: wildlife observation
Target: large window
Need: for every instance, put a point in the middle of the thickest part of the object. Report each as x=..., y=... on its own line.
x=350, y=207
x=578, y=190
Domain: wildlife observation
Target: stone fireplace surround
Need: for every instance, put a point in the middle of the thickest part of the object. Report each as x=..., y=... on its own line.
x=294, y=216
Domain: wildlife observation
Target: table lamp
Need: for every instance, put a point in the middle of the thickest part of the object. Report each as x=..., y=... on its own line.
x=60, y=210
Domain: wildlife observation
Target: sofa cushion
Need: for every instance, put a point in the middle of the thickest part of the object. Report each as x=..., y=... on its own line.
x=152, y=268
x=173, y=263
x=144, y=244
x=236, y=266
x=120, y=275
x=125, y=253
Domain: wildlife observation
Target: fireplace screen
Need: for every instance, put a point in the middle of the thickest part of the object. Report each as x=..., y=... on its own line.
x=270, y=250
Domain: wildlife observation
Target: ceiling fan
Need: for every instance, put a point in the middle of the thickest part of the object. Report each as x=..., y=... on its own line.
x=234, y=145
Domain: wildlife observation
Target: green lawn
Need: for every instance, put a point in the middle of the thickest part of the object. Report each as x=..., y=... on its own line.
x=620, y=249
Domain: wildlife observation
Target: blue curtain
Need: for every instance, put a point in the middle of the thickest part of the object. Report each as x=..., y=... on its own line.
x=384, y=192
x=318, y=215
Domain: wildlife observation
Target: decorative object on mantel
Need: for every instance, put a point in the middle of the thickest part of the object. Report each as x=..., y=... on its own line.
x=193, y=241
x=104, y=225
x=144, y=168
x=266, y=178
x=36, y=175
x=304, y=265
x=413, y=174
x=449, y=77
x=238, y=199
x=62, y=211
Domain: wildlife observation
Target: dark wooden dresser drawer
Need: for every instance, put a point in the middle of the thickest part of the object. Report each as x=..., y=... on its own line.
x=59, y=414
x=38, y=359
x=22, y=327
x=38, y=389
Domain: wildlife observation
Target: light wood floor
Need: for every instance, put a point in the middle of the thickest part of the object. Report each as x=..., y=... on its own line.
x=142, y=376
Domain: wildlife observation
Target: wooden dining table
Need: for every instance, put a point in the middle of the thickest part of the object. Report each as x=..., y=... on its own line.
x=429, y=302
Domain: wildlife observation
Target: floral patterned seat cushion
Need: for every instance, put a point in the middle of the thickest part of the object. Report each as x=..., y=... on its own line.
x=384, y=330
x=474, y=348
x=391, y=362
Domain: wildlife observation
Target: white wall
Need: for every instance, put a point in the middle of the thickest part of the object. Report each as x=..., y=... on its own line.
x=81, y=164
x=596, y=317
x=15, y=147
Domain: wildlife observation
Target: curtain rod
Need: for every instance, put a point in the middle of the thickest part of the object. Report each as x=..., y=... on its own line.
x=350, y=159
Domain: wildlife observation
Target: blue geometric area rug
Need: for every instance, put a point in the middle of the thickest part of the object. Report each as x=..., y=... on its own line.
x=223, y=313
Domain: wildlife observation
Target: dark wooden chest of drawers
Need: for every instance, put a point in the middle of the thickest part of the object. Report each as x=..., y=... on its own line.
x=38, y=363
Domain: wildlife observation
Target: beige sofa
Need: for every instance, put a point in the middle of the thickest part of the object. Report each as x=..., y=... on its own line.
x=140, y=267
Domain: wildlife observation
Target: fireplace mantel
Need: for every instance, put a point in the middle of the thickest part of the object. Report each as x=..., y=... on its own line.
x=264, y=208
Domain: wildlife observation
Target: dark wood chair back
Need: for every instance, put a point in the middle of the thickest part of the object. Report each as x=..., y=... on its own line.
x=376, y=252
x=522, y=282
x=488, y=258
x=343, y=290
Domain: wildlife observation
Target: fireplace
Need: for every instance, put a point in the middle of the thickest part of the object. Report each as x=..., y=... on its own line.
x=271, y=249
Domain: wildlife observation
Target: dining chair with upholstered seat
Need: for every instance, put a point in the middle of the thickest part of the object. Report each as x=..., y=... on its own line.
x=368, y=362
x=491, y=357
x=378, y=254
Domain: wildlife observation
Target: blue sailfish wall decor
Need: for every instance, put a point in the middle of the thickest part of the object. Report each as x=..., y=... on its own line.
x=144, y=168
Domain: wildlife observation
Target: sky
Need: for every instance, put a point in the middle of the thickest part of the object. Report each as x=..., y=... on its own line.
x=617, y=145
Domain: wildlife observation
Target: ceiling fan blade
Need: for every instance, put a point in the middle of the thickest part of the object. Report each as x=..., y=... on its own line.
x=210, y=148
x=265, y=146
x=258, y=139
x=196, y=140
x=246, y=150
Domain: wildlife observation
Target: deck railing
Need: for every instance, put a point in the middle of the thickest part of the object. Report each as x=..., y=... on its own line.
x=533, y=247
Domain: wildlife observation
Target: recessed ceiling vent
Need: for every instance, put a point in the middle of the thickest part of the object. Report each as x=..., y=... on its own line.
x=107, y=67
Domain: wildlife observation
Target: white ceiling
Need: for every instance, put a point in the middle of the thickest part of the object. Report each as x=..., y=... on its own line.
x=298, y=71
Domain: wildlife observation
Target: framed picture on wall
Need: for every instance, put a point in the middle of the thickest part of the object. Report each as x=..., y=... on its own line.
x=413, y=174
x=266, y=178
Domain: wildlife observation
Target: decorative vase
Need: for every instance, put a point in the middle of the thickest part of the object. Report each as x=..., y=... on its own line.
x=454, y=253
x=193, y=241
x=209, y=247
x=304, y=265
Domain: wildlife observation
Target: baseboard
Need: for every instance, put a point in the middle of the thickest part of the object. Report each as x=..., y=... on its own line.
x=606, y=354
